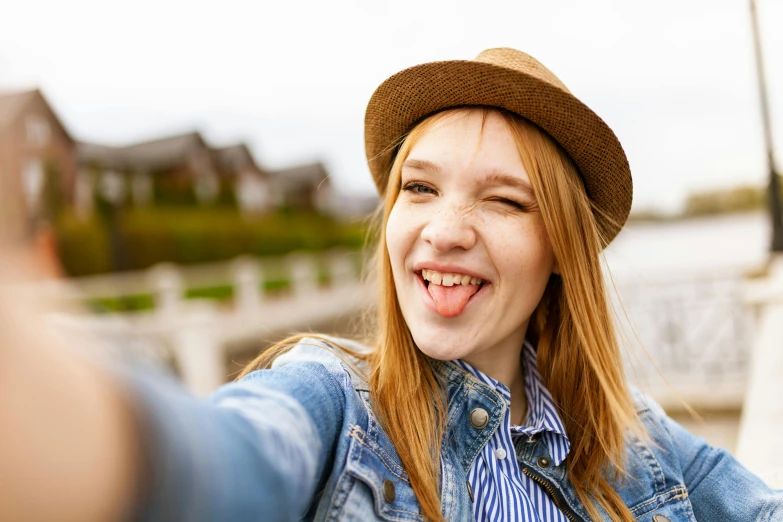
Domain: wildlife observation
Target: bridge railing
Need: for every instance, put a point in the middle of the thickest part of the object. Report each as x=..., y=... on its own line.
x=247, y=281
x=687, y=338
x=718, y=340
x=711, y=336
x=760, y=445
x=262, y=299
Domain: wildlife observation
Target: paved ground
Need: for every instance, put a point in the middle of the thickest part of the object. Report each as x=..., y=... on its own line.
x=720, y=429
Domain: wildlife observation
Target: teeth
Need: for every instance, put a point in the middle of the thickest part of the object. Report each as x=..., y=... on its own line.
x=449, y=279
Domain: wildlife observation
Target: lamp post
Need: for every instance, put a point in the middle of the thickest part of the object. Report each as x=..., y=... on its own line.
x=775, y=210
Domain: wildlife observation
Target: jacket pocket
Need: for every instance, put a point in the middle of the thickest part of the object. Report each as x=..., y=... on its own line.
x=373, y=485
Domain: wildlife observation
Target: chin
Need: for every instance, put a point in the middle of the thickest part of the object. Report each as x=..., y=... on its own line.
x=439, y=346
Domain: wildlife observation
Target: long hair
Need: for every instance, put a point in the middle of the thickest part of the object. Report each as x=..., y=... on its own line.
x=578, y=354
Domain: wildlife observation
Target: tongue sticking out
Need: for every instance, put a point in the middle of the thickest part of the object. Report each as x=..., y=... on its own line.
x=451, y=300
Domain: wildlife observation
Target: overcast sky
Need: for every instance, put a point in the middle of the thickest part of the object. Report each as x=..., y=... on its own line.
x=675, y=79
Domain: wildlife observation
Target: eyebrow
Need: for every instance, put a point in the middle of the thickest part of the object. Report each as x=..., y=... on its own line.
x=416, y=164
x=494, y=176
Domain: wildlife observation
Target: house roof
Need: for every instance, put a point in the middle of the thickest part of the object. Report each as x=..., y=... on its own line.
x=106, y=156
x=301, y=174
x=235, y=157
x=12, y=104
x=150, y=155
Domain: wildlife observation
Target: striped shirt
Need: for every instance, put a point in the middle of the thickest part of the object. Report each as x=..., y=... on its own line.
x=502, y=493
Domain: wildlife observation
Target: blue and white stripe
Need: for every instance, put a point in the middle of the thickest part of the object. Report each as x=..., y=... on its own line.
x=502, y=493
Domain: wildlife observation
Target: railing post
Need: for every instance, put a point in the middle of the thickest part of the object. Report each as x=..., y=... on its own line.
x=760, y=446
x=303, y=272
x=341, y=266
x=248, y=295
x=198, y=352
x=169, y=288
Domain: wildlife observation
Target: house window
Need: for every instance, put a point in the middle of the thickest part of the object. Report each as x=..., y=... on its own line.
x=252, y=194
x=141, y=187
x=207, y=188
x=38, y=131
x=32, y=181
x=112, y=187
x=83, y=197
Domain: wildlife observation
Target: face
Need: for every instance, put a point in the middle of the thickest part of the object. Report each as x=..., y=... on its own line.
x=468, y=248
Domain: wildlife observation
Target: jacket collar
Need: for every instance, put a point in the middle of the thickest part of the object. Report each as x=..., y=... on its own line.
x=468, y=389
x=464, y=394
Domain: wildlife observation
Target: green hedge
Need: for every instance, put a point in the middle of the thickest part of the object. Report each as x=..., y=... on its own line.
x=83, y=245
x=193, y=235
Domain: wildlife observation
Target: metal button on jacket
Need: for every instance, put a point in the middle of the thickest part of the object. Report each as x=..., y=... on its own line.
x=388, y=491
x=479, y=418
x=660, y=518
x=544, y=463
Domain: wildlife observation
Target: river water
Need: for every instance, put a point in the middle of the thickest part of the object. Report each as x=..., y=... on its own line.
x=678, y=298
x=695, y=247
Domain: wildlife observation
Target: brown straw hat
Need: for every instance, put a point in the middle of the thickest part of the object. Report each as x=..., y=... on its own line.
x=517, y=82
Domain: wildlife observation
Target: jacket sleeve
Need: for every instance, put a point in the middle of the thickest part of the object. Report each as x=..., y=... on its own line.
x=719, y=487
x=256, y=450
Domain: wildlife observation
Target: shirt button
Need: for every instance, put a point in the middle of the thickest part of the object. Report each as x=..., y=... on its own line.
x=660, y=518
x=543, y=462
x=479, y=418
x=388, y=491
x=500, y=454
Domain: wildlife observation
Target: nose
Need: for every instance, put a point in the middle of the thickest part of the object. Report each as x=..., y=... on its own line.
x=448, y=230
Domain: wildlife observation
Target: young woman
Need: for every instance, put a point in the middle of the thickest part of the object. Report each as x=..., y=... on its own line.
x=493, y=389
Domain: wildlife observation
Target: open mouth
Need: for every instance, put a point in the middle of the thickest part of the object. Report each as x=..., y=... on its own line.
x=450, y=292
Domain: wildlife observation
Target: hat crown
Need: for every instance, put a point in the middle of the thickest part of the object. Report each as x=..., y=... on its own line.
x=514, y=81
x=519, y=61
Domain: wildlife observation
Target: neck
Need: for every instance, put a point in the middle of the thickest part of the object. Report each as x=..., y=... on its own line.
x=504, y=364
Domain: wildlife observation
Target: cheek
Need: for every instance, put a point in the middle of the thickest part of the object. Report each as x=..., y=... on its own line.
x=397, y=236
x=524, y=252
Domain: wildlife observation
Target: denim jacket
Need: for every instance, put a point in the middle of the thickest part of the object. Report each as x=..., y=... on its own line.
x=301, y=441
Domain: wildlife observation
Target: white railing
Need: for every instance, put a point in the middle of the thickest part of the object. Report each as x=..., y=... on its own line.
x=688, y=339
x=713, y=337
x=199, y=335
x=760, y=445
x=168, y=284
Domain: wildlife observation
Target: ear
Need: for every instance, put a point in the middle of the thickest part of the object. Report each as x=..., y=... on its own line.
x=556, y=267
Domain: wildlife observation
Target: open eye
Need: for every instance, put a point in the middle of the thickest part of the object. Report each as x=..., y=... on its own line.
x=418, y=187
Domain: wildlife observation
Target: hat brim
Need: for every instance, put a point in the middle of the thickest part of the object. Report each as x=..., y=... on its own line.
x=412, y=94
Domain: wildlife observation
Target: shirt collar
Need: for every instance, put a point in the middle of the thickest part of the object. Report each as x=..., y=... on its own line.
x=542, y=415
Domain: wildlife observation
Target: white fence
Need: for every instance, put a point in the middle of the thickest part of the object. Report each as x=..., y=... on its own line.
x=199, y=334
x=713, y=337
x=760, y=446
x=167, y=283
x=688, y=338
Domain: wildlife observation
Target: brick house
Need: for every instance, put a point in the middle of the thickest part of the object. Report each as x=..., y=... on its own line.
x=303, y=187
x=251, y=184
x=174, y=169
x=38, y=163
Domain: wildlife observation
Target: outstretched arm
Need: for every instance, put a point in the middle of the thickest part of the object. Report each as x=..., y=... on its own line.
x=68, y=444
x=255, y=451
x=79, y=443
x=720, y=488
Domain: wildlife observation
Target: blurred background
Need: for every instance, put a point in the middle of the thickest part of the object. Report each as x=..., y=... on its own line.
x=192, y=174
